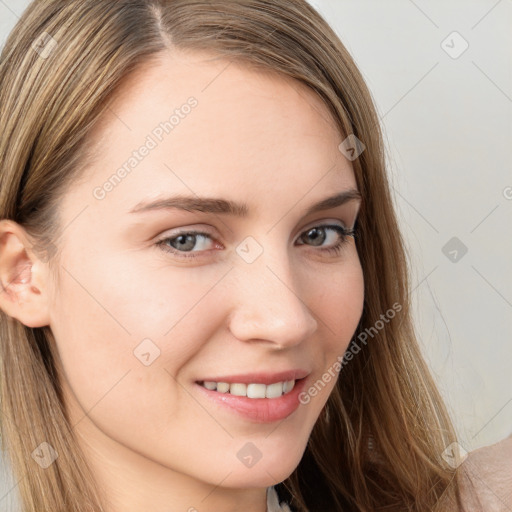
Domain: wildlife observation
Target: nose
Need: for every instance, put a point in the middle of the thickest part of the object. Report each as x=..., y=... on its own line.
x=268, y=305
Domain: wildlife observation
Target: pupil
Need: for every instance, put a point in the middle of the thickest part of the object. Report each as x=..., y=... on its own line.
x=317, y=235
x=182, y=240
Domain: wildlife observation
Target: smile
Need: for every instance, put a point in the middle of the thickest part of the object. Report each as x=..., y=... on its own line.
x=255, y=401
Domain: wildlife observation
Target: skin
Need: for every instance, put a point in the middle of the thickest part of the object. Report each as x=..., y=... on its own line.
x=153, y=441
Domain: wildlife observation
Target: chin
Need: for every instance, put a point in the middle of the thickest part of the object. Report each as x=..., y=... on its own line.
x=270, y=470
x=260, y=476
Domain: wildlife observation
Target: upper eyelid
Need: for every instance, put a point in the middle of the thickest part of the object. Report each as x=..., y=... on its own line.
x=206, y=231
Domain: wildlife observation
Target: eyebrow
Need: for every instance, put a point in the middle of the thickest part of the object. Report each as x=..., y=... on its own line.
x=224, y=206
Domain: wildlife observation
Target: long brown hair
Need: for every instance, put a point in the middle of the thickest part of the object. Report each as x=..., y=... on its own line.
x=379, y=441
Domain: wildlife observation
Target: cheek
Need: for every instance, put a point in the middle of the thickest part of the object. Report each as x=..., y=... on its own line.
x=96, y=337
x=111, y=306
x=339, y=306
x=337, y=302
x=130, y=327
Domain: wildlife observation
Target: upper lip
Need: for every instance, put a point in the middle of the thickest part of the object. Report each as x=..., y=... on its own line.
x=260, y=377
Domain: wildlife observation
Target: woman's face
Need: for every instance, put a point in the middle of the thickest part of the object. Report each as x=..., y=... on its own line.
x=144, y=313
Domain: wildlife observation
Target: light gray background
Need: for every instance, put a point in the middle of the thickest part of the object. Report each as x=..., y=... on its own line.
x=448, y=129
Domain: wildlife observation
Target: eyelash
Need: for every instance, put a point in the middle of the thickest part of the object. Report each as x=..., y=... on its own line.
x=333, y=250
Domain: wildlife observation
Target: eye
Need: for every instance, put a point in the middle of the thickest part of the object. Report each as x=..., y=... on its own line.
x=318, y=235
x=184, y=242
x=196, y=242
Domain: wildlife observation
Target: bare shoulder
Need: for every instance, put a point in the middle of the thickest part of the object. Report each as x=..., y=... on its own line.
x=487, y=478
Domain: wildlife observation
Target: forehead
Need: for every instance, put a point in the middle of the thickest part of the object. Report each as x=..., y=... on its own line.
x=248, y=129
x=233, y=95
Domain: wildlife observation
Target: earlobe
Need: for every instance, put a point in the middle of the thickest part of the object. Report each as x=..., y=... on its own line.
x=23, y=278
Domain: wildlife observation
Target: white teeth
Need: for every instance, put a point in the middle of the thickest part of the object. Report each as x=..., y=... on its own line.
x=222, y=387
x=257, y=390
x=274, y=390
x=238, y=389
x=288, y=386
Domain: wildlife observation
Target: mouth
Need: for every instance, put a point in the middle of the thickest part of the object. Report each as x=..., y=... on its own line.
x=262, y=402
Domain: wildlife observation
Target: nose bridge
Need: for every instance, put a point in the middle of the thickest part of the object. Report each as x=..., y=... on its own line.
x=268, y=304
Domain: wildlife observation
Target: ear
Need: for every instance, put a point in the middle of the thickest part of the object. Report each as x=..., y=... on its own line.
x=23, y=277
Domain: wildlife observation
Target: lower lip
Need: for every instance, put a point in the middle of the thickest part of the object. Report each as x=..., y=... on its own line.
x=260, y=410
